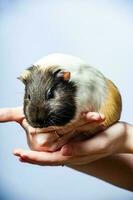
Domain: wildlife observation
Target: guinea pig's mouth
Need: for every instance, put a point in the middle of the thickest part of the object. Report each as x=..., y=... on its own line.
x=45, y=124
x=38, y=124
x=51, y=120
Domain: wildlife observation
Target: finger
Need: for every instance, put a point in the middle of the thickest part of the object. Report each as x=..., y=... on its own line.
x=28, y=161
x=23, y=160
x=11, y=114
x=44, y=158
x=97, y=144
x=95, y=117
x=20, y=154
x=27, y=127
x=30, y=129
x=92, y=118
x=17, y=152
x=81, y=160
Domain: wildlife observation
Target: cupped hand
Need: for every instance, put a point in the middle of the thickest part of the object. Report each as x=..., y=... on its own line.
x=40, y=139
x=53, y=138
x=77, y=153
x=112, y=140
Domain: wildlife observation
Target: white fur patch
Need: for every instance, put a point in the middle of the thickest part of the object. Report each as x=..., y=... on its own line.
x=90, y=82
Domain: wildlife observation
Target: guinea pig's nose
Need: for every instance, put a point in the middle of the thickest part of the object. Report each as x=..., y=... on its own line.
x=40, y=119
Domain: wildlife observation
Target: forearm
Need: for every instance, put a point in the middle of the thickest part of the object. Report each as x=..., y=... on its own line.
x=128, y=144
x=116, y=169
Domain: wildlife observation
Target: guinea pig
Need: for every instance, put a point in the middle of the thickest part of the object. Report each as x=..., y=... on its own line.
x=58, y=88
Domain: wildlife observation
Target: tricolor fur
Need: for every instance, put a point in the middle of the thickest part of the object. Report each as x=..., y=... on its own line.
x=90, y=90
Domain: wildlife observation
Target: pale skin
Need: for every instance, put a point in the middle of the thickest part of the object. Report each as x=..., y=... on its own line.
x=108, y=155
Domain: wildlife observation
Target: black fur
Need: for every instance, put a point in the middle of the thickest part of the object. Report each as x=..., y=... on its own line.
x=42, y=111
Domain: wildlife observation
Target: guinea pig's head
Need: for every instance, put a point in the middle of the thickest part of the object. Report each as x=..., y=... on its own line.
x=49, y=96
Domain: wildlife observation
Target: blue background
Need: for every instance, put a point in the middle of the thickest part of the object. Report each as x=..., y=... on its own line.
x=101, y=32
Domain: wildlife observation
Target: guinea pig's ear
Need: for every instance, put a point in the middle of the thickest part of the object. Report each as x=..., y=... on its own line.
x=25, y=76
x=63, y=75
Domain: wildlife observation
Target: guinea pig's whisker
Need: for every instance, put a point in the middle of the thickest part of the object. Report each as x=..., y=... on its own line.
x=51, y=122
x=60, y=113
x=56, y=128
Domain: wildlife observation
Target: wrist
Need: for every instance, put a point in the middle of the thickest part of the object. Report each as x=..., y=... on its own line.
x=127, y=144
x=129, y=138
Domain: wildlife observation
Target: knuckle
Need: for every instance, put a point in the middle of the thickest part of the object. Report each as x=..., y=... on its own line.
x=31, y=130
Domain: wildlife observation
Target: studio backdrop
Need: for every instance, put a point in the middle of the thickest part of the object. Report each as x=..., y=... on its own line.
x=101, y=33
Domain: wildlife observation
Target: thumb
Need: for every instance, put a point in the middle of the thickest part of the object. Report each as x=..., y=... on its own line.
x=11, y=114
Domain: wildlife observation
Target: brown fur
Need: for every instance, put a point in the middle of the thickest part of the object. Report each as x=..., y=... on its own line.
x=112, y=106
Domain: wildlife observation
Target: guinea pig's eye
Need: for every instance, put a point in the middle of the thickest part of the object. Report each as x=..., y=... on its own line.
x=50, y=93
x=29, y=96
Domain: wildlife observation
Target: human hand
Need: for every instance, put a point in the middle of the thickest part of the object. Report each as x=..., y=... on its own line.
x=117, y=138
x=37, y=139
x=53, y=138
x=113, y=140
x=47, y=139
x=86, y=152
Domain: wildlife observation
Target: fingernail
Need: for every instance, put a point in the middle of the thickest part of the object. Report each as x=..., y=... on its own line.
x=22, y=159
x=16, y=153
